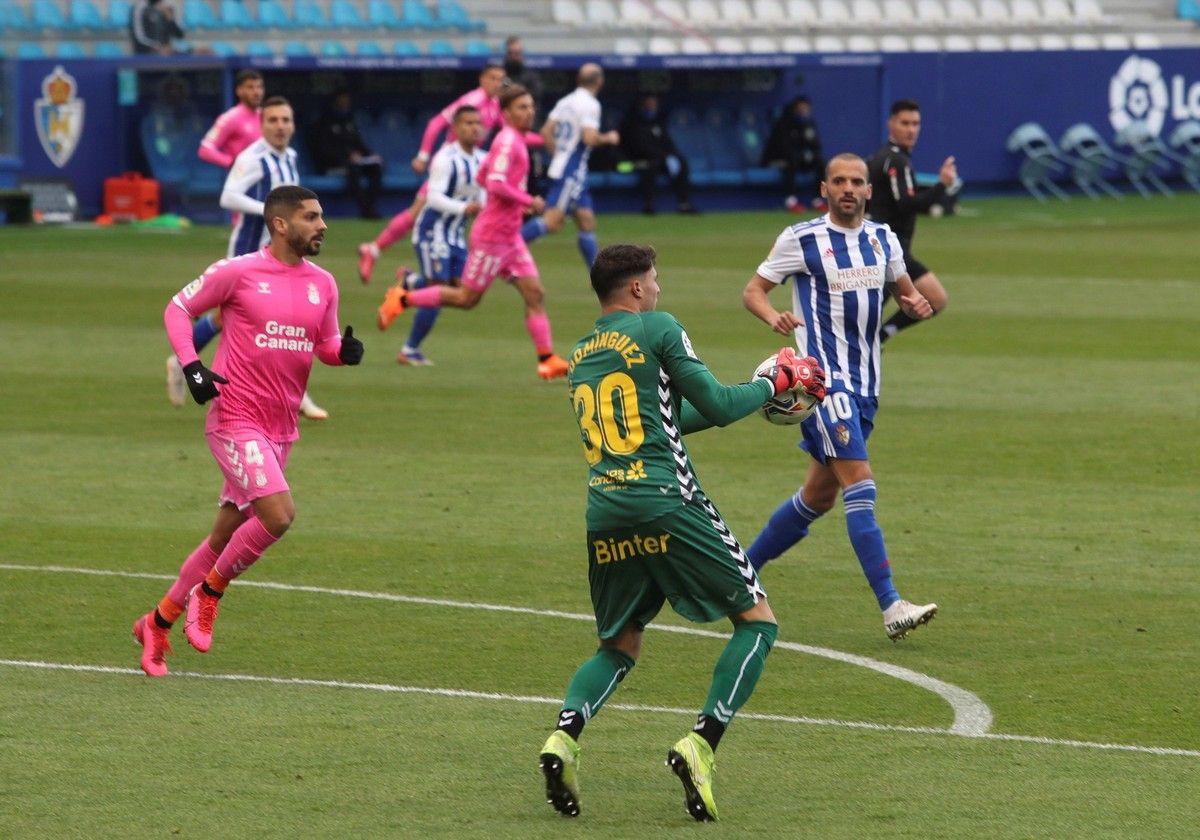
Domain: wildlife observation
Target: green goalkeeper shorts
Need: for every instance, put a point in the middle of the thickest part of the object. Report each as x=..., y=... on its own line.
x=688, y=557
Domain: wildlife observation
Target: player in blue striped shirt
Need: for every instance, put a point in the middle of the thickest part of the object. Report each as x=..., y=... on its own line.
x=839, y=264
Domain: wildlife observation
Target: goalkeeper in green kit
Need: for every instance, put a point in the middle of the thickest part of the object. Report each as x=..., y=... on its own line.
x=637, y=386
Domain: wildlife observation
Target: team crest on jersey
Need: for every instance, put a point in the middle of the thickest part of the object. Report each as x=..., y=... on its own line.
x=876, y=247
x=843, y=434
x=58, y=116
x=314, y=297
x=264, y=288
x=828, y=253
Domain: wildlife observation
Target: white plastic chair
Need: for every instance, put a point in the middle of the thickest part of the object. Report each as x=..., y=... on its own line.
x=695, y=46
x=1089, y=11
x=569, y=12
x=957, y=42
x=993, y=12
x=962, y=14
x=796, y=44
x=762, y=44
x=1026, y=12
x=828, y=44
x=925, y=42
x=1057, y=11
x=769, y=12
x=662, y=45
x=729, y=44
x=1114, y=41
x=861, y=44
x=1021, y=42
x=634, y=13
x=601, y=13
x=990, y=42
x=835, y=13
x=1053, y=41
x=802, y=13
x=736, y=13
x=703, y=14
x=1146, y=41
x=893, y=43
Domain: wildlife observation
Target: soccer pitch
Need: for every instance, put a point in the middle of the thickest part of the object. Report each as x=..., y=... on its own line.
x=392, y=667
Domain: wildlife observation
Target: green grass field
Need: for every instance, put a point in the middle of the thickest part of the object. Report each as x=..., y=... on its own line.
x=1037, y=460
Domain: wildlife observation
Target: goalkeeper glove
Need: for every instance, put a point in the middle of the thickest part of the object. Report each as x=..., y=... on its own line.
x=782, y=374
x=811, y=378
x=202, y=382
x=352, y=349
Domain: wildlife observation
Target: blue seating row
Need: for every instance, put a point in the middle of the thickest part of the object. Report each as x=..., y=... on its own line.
x=293, y=49
x=80, y=15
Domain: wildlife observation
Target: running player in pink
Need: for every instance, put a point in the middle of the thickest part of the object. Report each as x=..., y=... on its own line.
x=484, y=99
x=496, y=248
x=238, y=127
x=279, y=311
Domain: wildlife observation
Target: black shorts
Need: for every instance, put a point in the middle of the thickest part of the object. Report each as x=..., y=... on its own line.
x=916, y=268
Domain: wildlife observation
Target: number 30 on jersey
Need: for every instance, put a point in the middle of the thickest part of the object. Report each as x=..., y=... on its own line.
x=608, y=417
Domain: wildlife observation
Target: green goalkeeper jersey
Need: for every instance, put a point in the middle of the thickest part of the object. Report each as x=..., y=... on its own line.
x=637, y=387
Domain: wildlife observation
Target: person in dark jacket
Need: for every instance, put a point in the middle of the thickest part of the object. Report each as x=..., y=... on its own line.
x=896, y=201
x=339, y=147
x=646, y=141
x=794, y=146
x=152, y=28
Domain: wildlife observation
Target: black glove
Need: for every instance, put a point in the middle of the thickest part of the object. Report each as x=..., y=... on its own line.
x=202, y=382
x=352, y=349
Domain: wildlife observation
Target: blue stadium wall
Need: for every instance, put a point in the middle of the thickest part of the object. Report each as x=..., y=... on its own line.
x=970, y=101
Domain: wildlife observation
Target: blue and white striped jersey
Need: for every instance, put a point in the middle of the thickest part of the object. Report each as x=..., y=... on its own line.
x=452, y=186
x=573, y=113
x=255, y=172
x=838, y=294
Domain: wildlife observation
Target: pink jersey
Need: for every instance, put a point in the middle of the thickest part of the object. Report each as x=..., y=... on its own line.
x=275, y=317
x=489, y=115
x=504, y=173
x=233, y=131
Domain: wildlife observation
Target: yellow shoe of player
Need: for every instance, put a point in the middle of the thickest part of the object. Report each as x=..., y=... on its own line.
x=392, y=306
x=692, y=760
x=560, y=765
x=552, y=367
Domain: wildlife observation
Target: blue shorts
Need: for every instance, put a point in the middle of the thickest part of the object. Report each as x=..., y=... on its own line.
x=840, y=427
x=439, y=262
x=569, y=194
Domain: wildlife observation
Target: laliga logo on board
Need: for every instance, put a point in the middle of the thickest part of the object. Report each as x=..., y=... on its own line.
x=58, y=116
x=1138, y=93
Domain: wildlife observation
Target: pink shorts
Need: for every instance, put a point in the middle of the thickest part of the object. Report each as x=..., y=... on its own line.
x=252, y=464
x=488, y=260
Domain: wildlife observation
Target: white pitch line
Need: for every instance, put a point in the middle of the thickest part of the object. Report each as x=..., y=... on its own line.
x=972, y=717
x=627, y=707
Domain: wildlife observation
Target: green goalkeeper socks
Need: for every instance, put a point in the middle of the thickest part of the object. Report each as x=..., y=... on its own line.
x=592, y=684
x=739, y=668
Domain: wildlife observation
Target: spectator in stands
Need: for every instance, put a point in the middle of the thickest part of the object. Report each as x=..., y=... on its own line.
x=646, y=141
x=517, y=72
x=152, y=28
x=794, y=146
x=339, y=147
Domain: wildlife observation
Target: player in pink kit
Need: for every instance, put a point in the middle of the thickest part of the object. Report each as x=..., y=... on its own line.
x=279, y=311
x=238, y=127
x=496, y=247
x=484, y=99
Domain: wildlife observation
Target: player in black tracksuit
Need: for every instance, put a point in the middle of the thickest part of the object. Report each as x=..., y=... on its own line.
x=896, y=201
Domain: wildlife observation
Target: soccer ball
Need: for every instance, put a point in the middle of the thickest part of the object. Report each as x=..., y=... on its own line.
x=788, y=408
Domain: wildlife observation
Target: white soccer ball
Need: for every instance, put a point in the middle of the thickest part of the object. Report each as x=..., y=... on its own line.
x=788, y=408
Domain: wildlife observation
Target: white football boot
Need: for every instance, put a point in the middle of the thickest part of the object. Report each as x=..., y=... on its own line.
x=902, y=617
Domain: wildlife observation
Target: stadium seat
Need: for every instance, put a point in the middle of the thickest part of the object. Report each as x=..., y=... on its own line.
x=957, y=42
x=695, y=45
x=737, y=13
x=835, y=13
x=1041, y=160
x=861, y=44
x=224, y=49
x=310, y=15
x=477, y=47
x=1057, y=11
x=993, y=12
x=46, y=14
x=769, y=12
x=451, y=13
x=703, y=14
x=1088, y=11
x=1189, y=10
x=925, y=42
x=672, y=13
x=628, y=46
x=30, y=49
x=761, y=44
x=442, y=48
x=569, y=12
x=334, y=49
x=237, y=16
x=959, y=13
x=796, y=44
x=1053, y=41
x=828, y=44
x=69, y=49
x=892, y=43
x=1114, y=41
x=636, y=14
x=259, y=49
x=369, y=48
x=724, y=147
x=381, y=14
x=1022, y=42
x=899, y=12
x=272, y=15
x=1090, y=158
x=109, y=49
x=345, y=15
x=990, y=42
x=297, y=49
x=1185, y=140
x=690, y=137
x=405, y=48
x=1084, y=41
x=417, y=14
x=661, y=45
x=13, y=17
x=1146, y=41
x=85, y=15
x=600, y=13
x=116, y=14
x=1025, y=12
x=197, y=14
x=729, y=44
x=868, y=14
